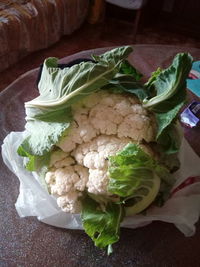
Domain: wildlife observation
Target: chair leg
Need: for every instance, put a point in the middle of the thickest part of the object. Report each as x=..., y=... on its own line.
x=136, y=22
x=96, y=12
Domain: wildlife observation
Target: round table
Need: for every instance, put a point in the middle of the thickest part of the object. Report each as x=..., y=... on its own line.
x=28, y=242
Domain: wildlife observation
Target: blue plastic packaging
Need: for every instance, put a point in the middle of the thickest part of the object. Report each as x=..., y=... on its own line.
x=191, y=115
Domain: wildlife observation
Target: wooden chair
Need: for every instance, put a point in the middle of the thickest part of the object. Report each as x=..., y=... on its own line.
x=133, y=5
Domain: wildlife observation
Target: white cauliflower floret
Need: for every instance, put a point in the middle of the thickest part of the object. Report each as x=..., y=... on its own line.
x=93, y=160
x=66, y=143
x=122, y=116
x=98, y=181
x=65, y=178
x=50, y=177
x=141, y=130
x=110, y=145
x=138, y=109
x=63, y=181
x=80, y=131
x=107, y=100
x=85, y=132
x=77, y=135
x=64, y=162
x=123, y=107
x=104, y=119
x=83, y=177
x=70, y=202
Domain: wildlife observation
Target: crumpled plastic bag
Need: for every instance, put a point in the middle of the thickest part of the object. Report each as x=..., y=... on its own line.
x=182, y=208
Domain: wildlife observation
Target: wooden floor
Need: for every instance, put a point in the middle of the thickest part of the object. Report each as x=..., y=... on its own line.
x=112, y=32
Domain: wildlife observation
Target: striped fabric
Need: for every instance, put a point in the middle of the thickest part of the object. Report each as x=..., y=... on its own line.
x=30, y=25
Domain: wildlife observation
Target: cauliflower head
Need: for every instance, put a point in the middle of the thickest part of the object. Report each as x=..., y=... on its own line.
x=103, y=124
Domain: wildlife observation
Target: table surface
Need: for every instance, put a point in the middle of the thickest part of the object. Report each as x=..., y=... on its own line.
x=28, y=242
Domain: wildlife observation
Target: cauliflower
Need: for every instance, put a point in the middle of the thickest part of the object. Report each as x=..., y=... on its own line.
x=67, y=182
x=70, y=202
x=105, y=133
x=103, y=124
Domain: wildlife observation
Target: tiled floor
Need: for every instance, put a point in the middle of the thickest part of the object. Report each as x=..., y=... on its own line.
x=112, y=32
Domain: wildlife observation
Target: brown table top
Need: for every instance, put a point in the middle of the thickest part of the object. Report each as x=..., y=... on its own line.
x=28, y=242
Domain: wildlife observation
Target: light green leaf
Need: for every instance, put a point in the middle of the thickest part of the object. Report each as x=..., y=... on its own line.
x=42, y=136
x=134, y=174
x=130, y=170
x=114, y=56
x=102, y=224
x=48, y=115
x=62, y=87
x=34, y=163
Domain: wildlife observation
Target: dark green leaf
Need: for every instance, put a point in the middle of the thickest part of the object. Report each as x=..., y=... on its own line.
x=165, y=119
x=169, y=81
x=169, y=140
x=169, y=86
x=127, y=84
x=127, y=68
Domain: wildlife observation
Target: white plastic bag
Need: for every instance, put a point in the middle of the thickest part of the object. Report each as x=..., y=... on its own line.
x=182, y=208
